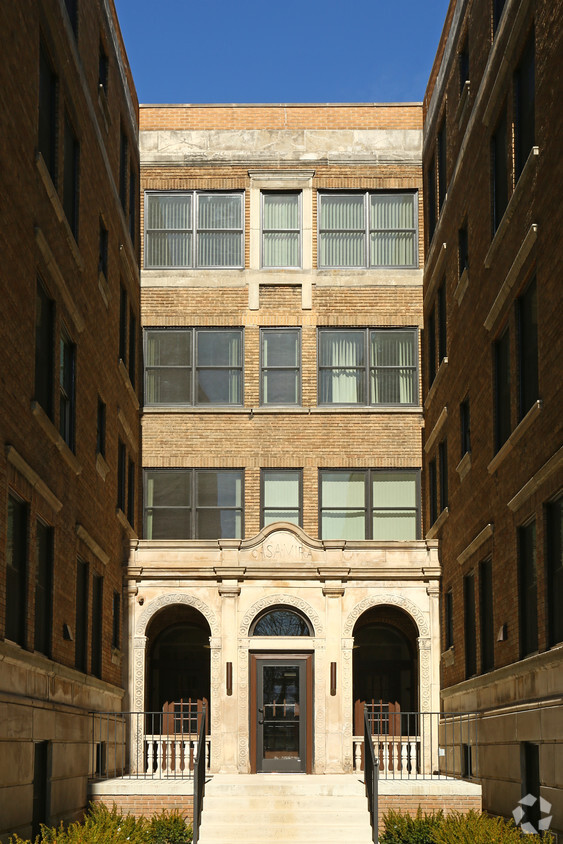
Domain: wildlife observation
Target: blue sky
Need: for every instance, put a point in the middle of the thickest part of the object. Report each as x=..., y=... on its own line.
x=222, y=51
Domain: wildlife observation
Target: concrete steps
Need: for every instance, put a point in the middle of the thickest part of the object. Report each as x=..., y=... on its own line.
x=285, y=808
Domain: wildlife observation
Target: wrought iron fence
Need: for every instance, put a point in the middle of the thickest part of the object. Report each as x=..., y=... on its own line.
x=200, y=767
x=421, y=745
x=371, y=777
x=149, y=745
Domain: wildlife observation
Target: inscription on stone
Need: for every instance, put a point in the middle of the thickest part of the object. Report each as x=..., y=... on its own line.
x=284, y=550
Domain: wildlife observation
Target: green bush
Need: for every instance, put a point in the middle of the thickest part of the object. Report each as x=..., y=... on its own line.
x=472, y=828
x=110, y=826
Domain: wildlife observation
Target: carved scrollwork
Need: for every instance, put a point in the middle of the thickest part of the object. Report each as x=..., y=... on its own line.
x=394, y=600
x=168, y=600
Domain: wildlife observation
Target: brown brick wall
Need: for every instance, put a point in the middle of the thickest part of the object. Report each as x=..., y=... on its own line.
x=147, y=805
x=410, y=804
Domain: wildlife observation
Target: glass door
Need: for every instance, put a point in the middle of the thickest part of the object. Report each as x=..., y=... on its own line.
x=281, y=714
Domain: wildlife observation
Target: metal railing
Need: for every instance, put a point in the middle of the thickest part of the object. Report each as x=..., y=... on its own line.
x=200, y=767
x=421, y=745
x=148, y=745
x=371, y=776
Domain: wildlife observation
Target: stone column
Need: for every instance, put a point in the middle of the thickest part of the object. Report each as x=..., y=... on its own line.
x=226, y=709
x=428, y=730
x=347, y=703
x=334, y=738
x=137, y=725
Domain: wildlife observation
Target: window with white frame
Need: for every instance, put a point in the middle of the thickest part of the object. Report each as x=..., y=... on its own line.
x=280, y=366
x=193, y=503
x=368, y=366
x=193, y=366
x=281, y=496
x=380, y=504
x=369, y=229
x=194, y=229
x=281, y=229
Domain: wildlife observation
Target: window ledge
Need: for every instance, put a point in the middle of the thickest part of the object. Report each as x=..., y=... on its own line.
x=438, y=524
x=462, y=285
x=52, y=433
x=279, y=409
x=464, y=465
x=58, y=279
x=476, y=543
x=436, y=430
x=58, y=208
x=515, y=436
x=116, y=656
x=128, y=385
x=104, y=108
x=520, y=191
x=512, y=276
x=440, y=375
x=102, y=467
x=104, y=288
x=24, y=469
x=448, y=657
x=552, y=466
x=462, y=107
x=91, y=543
x=124, y=522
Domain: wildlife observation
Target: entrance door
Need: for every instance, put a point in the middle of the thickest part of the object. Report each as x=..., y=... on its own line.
x=281, y=717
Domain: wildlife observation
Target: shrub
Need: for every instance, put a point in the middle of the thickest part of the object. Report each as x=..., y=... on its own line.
x=403, y=829
x=169, y=828
x=475, y=828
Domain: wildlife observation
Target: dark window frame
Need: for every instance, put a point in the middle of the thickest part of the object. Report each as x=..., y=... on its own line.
x=263, y=473
x=48, y=118
x=123, y=324
x=524, y=105
x=528, y=589
x=486, y=615
x=464, y=63
x=273, y=367
x=71, y=175
x=431, y=194
x=96, y=644
x=17, y=569
x=103, y=68
x=469, y=620
x=123, y=168
x=463, y=248
x=432, y=346
x=499, y=170
x=81, y=631
x=116, y=621
x=442, y=322
x=131, y=475
x=442, y=152
x=103, y=249
x=44, y=375
x=67, y=389
x=448, y=619
x=44, y=577
x=132, y=350
x=528, y=352
x=554, y=569
x=465, y=426
x=101, y=418
x=443, y=473
x=432, y=491
x=501, y=389
x=121, y=476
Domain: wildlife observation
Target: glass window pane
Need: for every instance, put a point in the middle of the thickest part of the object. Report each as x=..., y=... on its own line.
x=168, y=386
x=342, y=213
x=219, y=348
x=343, y=489
x=220, y=249
x=281, y=211
x=167, y=488
x=168, y=348
x=393, y=386
x=219, y=386
x=394, y=489
x=222, y=488
x=392, y=211
x=342, y=348
x=169, y=211
x=217, y=211
x=392, y=348
x=392, y=249
x=280, y=348
x=168, y=249
x=165, y=523
x=342, y=386
x=281, y=623
x=271, y=516
x=215, y=524
x=281, y=249
x=345, y=524
x=280, y=386
x=394, y=525
x=281, y=489
x=339, y=249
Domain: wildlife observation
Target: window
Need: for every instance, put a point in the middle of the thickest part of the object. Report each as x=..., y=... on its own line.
x=70, y=177
x=41, y=786
x=72, y=10
x=554, y=559
x=431, y=194
x=449, y=619
x=442, y=322
x=374, y=504
x=101, y=428
x=280, y=366
x=281, y=622
x=465, y=426
x=131, y=493
x=463, y=249
x=368, y=366
x=193, y=503
x=433, y=491
x=442, y=164
x=498, y=7
x=44, y=347
x=67, y=386
x=103, y=69
x=282, y=496
x=469, y=624
x=47, y=135
x=486, y=613
x=132, y=359
x=194, y=229
x=103, y=250
x=116, y=622
x=531, y=782
x=443, y=456
x=281, y=229
x=16, y=571
x=123, y=324
x=81, y=638
x=132, y=204
x=528, y=589
x=527, y=312
x=97, y=624
x=368, y=229
x=431, y=330
x=123, y=162
x=525, y=105
x=193, y=366
x=43, y=588
x=502, y=389
x=499, y=171
x=121, y=475
x=463, y=65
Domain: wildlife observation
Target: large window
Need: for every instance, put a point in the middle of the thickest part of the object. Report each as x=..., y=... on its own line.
x=44, y=348
x=469, y=625
x=43, y=588
x=97, y=624
x=193, y=503
x=502, y=388
x=193, y=366
x=499, y=170
x=368, y=366
x=70, y=176
x=525, y=104
x=280, y=366
x=67, y=390
x=16, y=570
x=554, y=559
x=281, y=229
x=527, y=310
x=528, y=589
x=47, y=135
x=194, y=230
x=376, y=504
x=442, y=164
x=368, y=229
x=81, y=632
x=465, y=427
x=281, y=496
x=486, y=613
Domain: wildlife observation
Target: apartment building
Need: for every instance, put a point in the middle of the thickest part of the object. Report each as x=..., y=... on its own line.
x=71, y=385
x=281, y=293
x=493, y=459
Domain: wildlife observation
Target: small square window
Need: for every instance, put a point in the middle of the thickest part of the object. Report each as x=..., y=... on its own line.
x=281, y=229
x=465, y=426
x=101, y=428
x=280, y=366
x=70, y=176
x=462, y=249
x=103, y=250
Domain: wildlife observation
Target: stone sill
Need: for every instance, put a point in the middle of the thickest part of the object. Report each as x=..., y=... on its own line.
x=104, y=107
x=512, y=276
x=104, y=288
x=464, y=465
x=127, y=383
x=462, y=107
x=437, y=274
x=57, y=277
x=515, y=436
x=540, y=477
x=448, y=657
x=58, y=209
x=55, y=437
x=102, y=467
x=440, y=375
x=462, y=286
x=24, y=469
x=436, y=430
x=521, y=191
x=280, y=410
x=438, y=524
x=124, y=522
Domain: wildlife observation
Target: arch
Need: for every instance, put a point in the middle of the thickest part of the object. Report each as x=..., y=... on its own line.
x=281, y=621
x=277, y=601
x=393, y=600
x=175, y=598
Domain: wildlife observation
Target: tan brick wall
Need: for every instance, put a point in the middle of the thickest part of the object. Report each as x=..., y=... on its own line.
x=410, y=804
x=147, y=805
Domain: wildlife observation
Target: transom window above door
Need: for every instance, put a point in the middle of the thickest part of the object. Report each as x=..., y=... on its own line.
x=368, y=366
x=193, y=366
x=281, y=229
x=281, y=621
x=368, y=229
x=194, y=229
